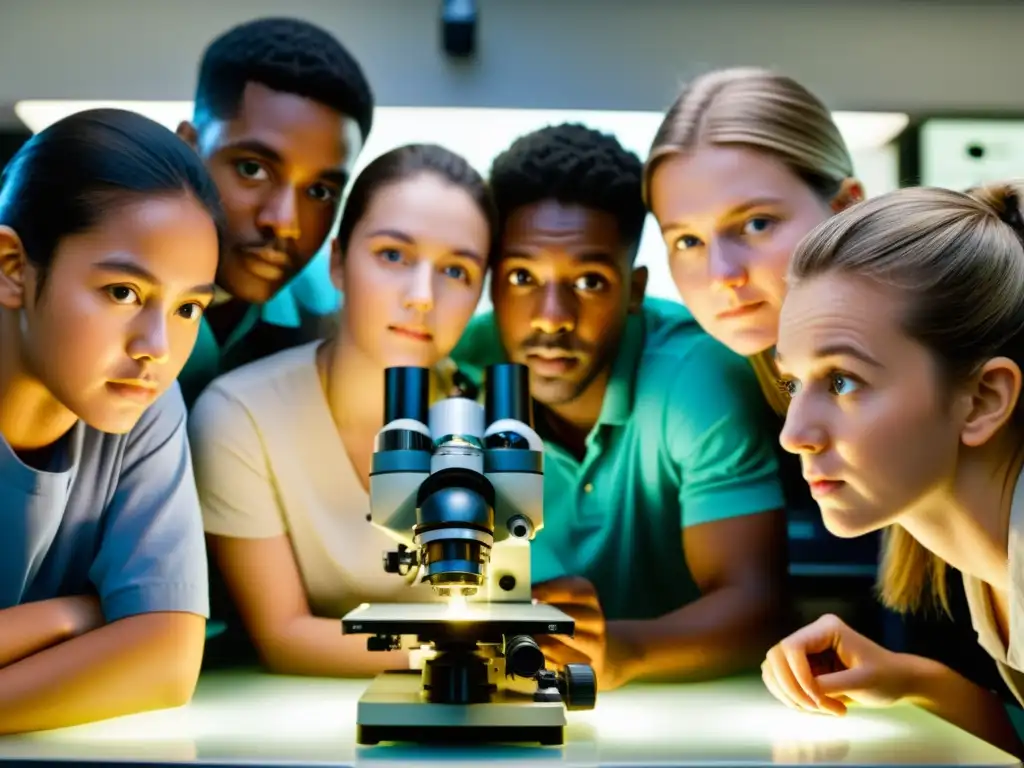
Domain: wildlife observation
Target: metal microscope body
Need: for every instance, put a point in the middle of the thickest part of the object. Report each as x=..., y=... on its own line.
x=459, y=487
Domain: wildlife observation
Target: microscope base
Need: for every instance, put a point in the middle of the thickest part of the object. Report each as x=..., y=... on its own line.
x=394, y=709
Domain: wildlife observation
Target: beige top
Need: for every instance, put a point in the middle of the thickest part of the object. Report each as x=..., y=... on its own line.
x=1009, y=660
x=269, y=461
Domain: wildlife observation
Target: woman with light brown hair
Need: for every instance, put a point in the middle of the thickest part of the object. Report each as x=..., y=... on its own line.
x=745, y=163
x=901, y=343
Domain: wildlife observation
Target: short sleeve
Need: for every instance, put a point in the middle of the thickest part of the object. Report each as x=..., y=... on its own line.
x=152, y=556
x=236, y=489
x=720, y=435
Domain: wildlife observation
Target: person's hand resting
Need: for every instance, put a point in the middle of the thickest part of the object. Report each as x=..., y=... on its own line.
x=826, y=665
x=577, y=597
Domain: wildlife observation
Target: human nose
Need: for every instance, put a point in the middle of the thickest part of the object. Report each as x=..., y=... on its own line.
x=725, y=267
x=149, y=339
x=556, y=311
x=802, y=432
x=420, y=294
x=280, y=214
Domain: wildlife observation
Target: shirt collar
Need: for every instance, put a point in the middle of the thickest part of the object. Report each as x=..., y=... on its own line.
x=618, y=397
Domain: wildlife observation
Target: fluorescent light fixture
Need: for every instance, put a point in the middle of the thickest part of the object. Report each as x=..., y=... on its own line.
x=38, y=114
x=862, y=130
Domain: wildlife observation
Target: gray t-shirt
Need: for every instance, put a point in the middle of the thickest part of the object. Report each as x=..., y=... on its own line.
x=116, y=516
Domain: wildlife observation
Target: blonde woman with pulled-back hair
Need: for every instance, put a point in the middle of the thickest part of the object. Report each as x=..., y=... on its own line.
x=901, y=343
x=745, y=163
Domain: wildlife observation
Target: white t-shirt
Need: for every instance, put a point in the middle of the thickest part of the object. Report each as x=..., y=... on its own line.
x=269, y=462
x=1010, y=660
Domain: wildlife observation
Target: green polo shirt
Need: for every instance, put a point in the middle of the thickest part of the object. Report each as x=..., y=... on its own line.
x=298, y=313
x=682, y=439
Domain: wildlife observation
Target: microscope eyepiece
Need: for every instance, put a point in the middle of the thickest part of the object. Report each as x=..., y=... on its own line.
x=406, y=394
x=508, y=393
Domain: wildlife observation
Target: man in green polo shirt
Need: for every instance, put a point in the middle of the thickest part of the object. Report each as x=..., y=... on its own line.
x=663, y=531
x=281, y=112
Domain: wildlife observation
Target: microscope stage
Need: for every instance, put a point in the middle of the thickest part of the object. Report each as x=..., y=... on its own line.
x=447, y=619
x=393, y=709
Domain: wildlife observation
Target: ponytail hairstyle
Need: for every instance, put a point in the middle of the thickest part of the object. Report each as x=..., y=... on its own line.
x=959, y=259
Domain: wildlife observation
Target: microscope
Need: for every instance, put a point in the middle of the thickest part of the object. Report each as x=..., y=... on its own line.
x=459, y=487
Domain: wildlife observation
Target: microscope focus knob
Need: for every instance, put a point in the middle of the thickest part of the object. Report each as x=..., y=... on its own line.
x=578, y=685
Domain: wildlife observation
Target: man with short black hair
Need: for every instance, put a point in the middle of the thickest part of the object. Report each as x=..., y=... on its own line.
x=282, y=110
x=663, y=531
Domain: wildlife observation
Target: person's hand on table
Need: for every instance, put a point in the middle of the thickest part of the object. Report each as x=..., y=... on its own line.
x=577, y=597
x=826, y=665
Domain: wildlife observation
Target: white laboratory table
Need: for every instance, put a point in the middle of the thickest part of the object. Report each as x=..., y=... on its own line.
x=248, y=718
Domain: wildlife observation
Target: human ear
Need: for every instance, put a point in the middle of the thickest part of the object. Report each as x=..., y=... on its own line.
x=850, y=191
x=13, y=268
x=637, y=288
x=992, y=399
x=187, y=132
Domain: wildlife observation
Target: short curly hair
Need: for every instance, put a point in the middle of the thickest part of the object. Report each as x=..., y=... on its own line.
x=574, y=165
x=287, y=55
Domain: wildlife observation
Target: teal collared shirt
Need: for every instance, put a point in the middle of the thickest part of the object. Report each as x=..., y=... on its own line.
x=683, y=439
x=300, y=312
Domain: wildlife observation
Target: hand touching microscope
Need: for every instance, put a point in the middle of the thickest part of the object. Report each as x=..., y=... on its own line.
x=460, y=488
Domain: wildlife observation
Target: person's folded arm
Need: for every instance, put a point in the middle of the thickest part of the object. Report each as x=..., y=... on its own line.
x=733, y=526
x=33, y=627
x=150, y=575
x=139, y=663
x=249, y=544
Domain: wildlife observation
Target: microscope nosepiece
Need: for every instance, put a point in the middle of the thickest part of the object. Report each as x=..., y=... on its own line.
x=455, y=529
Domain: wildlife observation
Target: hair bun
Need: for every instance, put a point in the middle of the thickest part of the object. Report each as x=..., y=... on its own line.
x=1004, y=200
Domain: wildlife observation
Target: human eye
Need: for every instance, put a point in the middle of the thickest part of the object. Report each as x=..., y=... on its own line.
x=323, y=193
x=456, y=272
x=590, y=282
x=758, y=225
x=122, y=294
x=520, y=277
x=252, y=170
x=840, y=383
x=788, y=386
x=193, y=310
x=685, y=242
x=390, y=255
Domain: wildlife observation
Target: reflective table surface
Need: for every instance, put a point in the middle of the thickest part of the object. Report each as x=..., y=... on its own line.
x=249, y=718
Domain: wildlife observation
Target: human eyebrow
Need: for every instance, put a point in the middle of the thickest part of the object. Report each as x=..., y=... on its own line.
x=257, y=148
x=597, y=257
x=849, y=350
x=672, y=227
x=396, y=234
x=757, y=202
x=336, y=177
x=835, y=350
x=138, y=272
